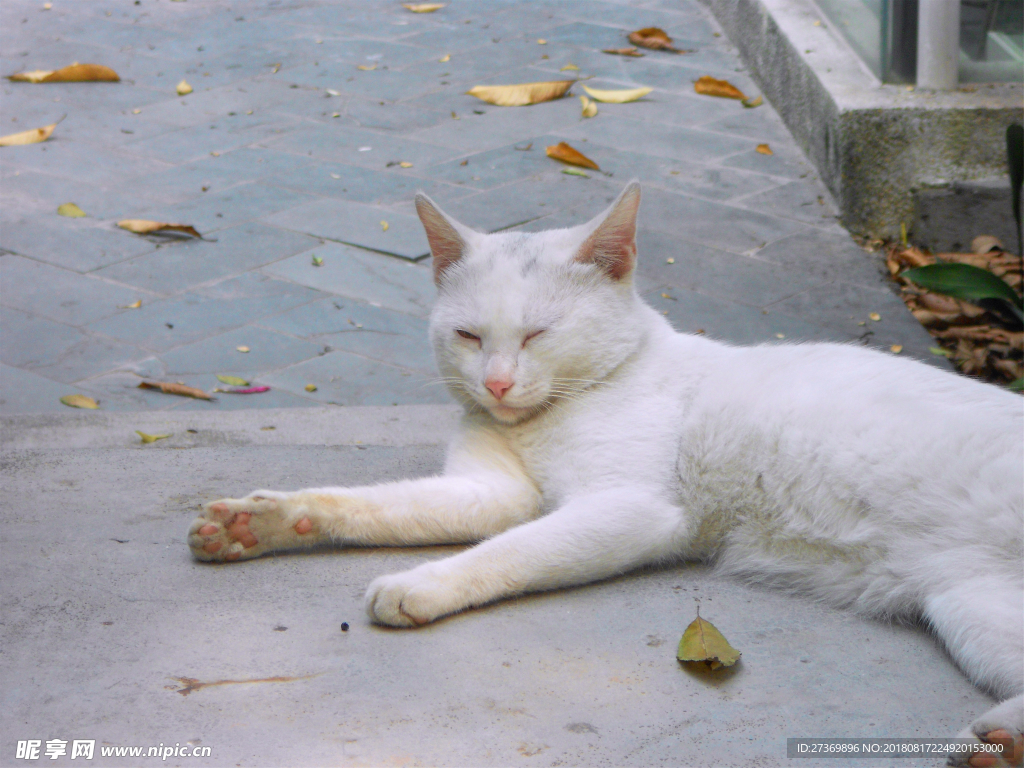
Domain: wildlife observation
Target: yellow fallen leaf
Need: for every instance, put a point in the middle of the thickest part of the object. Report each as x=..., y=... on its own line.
x=618, y=96
x=70, y=210
x=318, y=261
x=405, y=164
x=589, y=107
x=575, y=172
x=242, y=349
x=875, y=316
x=310, y=387
x=447, y=57
x=366, y=67
x=183, y=88
x=670, y=260
x=709, y=86
x=654, y=38
x=896, y=348
x=384, y=225
x=136, y=111
x=703, y=642
x=572, y=67
x=423, y=7
x=33, y=136
x=76, y=73
x=145, y=227
x=542, y=41
x=150, y=438
x=757, y=101
x=134, y=305
x=764, y=149
x=80, y=401
x=522, y=94
x=623, y=52
x=567, y=154
x=174, y=388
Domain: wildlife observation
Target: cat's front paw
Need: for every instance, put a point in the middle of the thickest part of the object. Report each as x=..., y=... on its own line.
x=410, y=599
x=1001, y=727
x=240, y=529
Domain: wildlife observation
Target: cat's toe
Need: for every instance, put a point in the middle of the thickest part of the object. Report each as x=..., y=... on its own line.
x=402, y=600
x=223, y=531
x=999, y=737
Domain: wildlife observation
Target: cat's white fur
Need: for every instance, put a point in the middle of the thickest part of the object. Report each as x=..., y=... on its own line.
x=597, y=439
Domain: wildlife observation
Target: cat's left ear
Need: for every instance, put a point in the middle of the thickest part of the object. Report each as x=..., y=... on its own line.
x=447, y=237
x=611, y=244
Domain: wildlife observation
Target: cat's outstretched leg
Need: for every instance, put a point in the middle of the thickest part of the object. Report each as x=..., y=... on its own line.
x=483, y=492
x=981, y=622
x=589, y=538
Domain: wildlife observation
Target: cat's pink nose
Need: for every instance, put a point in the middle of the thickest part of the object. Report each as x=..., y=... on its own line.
x=498, y=386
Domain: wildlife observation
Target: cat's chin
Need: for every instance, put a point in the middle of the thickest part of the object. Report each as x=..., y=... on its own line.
x=507, y=414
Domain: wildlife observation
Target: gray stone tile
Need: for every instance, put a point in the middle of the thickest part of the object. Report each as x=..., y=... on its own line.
x=60, y=294
x=205, y=311
x=806, y=201
x=119, y=391
x=664, y=141
x=199, y=141
x=89, y=163
x=29, y=341
x=214, y=210
x=25, y=392
x=346, y=145
x=78, y=244
x=357, y=224
x=826, y=256
x=486, y=170
x=201, y=107
x=713, y=224
x=27, y=194
x=356, y=274
x=269, y=351
x=369, y=331
x=343, y=378
x=723, y=320
x=786, y=162
x=90, y=356
x=712, y=272
x=181, y=265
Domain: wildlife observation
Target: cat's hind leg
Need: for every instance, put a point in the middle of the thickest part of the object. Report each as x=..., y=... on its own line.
x=981, y=622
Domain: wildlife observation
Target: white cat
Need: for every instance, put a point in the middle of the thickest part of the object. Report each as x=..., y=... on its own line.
x=596, y=439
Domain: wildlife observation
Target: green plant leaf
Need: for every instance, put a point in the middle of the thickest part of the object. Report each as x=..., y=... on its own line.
x=963, y=281
x=234, y=381
x=1017, y=385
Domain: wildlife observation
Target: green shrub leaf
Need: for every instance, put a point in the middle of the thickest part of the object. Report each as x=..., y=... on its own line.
x=963, y=281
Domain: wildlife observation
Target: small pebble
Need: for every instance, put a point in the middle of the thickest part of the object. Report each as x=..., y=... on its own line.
x=344, y=626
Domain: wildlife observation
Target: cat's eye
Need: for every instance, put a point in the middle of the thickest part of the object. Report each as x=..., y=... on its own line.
x=467, y=334
x=533, y=335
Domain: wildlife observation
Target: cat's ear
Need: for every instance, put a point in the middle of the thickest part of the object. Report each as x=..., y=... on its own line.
x=611, y=244
x=447, y=238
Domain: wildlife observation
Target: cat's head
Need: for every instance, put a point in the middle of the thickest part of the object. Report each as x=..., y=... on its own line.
x=525, y=319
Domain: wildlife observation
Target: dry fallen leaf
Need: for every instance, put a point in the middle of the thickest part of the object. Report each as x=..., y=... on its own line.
x=652, y=37
x=542, y=41
x=423, y=7
x=183, y=88
x=76, y=73
x=310, y=387
x=447, y=57
x=405, y=164
x=567, y=67
x=246, y=391
x=623, y=52
x=33, y=136
x=875, y=316
x=70, y=210
x=618, y=96
x=575, y=172
x=318, y=261
x=896, y=348
x=80, y=401
x=384, y=225
x=522, y=94
x=764, y=149
x=234, y=381
x=242, y=349
x=567, y=154
x=174, y=388
x=145, y=227
x=134, y=305
x=709, y=86
x=703, y=642
x=589, y=107
x=757, y=101
x=366, y=67
x=150, y=438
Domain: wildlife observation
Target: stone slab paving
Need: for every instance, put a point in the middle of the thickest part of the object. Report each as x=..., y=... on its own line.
x=291, y=146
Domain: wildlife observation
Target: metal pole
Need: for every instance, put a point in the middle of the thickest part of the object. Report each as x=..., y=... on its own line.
x=938, y=44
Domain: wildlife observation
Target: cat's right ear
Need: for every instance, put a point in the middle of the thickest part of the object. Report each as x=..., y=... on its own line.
x=446, y=236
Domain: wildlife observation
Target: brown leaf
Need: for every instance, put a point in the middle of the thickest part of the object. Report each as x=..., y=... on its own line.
x=174, y=388
x=76, y=73
x=764, y=149
x=703, y=642
x=985, y=243
x=567, y=154
x=709, y=86
x=79, y=401
x=33, y=136
x=623, y=52
x=757, y=101
x=652, y=37
x=522, y=94
x=145, y=227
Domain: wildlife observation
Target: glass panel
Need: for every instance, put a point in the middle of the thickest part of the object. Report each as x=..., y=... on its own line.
x=861, y=23
x=991, y=41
